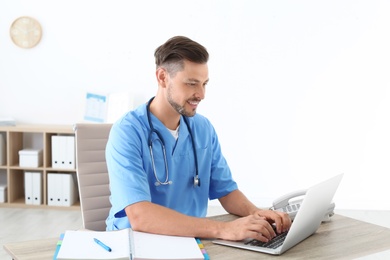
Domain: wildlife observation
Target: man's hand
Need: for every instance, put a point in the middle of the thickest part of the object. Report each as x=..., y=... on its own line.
x=255, y=223
x=257, y=226
x=252, y=226
x=282, y=220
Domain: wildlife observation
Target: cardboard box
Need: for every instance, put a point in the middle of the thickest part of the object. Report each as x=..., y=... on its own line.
x=30, y=158
x=3, y=193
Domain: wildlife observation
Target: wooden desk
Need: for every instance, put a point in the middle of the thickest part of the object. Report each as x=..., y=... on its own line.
x=341, y=238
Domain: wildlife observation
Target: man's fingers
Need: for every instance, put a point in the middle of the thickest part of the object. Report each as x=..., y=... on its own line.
x=263, y=229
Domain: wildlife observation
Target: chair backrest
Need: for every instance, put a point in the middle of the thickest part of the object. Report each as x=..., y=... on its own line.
x=92, y=174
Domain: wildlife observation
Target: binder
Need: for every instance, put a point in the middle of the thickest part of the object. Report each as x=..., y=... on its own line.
x=33, y=188
x=28, y=194
x=63, y=152
x=37, y=188
x=70, y=152
x=54, y=189
x=62, y=189
x=55, y=157
x=68, y=190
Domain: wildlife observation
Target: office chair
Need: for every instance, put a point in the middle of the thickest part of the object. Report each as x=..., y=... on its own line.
x=92, y=174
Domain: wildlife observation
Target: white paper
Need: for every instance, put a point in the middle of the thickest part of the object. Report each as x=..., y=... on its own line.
x=152, y=246
x=81, y=245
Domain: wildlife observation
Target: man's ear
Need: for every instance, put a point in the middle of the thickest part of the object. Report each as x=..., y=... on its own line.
x=162, y=77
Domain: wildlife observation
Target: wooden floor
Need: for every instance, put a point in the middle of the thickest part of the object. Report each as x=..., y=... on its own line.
x=22, y=224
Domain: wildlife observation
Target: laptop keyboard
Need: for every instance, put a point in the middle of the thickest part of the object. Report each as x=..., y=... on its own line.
x=273, y=243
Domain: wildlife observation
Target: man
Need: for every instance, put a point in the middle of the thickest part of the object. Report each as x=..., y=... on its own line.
x=165, y=161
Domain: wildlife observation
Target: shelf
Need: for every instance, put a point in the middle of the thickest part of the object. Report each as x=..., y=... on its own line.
x=17, y=167
x=37, y=137
x=20, y=203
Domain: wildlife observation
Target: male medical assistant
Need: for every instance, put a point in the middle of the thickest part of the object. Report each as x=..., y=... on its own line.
x=131, y=174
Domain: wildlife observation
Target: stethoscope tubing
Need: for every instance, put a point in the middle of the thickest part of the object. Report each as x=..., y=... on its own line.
x=161, y=140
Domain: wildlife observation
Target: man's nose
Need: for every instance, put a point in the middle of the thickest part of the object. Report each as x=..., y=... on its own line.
x=200, y=92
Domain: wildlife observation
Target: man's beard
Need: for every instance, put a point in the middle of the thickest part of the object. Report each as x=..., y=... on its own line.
x=179, y=109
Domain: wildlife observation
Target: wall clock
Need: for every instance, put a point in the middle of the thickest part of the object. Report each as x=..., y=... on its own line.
x=26, y=32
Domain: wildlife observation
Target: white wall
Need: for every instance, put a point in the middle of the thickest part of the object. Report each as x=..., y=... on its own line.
x=301, y=86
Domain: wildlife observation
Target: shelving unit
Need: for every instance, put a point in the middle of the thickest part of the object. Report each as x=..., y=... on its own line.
x=30, y=136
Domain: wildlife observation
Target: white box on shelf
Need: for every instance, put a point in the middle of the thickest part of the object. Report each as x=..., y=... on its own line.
x=3, y=193
x=30, y=158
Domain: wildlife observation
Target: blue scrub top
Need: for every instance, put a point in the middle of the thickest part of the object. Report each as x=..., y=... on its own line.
x=131, y=174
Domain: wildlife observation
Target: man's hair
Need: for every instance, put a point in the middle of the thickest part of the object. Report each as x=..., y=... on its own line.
x=172, y=53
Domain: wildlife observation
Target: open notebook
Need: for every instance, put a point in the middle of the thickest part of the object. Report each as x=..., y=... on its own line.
x=126, y=244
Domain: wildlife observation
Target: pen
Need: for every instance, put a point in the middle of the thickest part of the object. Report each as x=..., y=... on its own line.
x=100, y=243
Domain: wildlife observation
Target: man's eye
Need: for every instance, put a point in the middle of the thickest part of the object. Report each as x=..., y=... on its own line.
x=191, y=84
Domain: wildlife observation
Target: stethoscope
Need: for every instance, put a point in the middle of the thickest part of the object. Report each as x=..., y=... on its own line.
x=161, y=141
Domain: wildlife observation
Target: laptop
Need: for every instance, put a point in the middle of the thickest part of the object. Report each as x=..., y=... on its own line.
x=306, y=222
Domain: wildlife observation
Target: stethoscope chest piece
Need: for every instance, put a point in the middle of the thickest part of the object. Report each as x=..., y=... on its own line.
x=196, y=181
